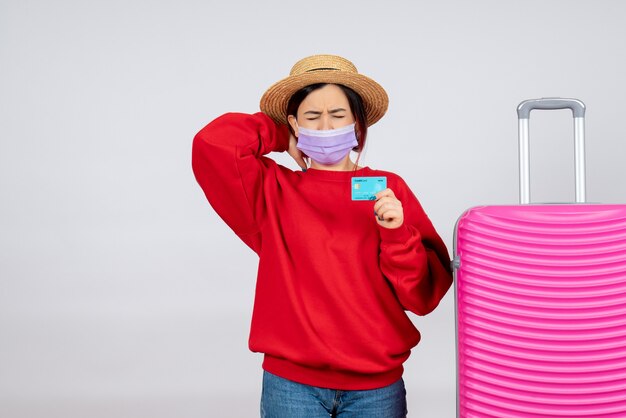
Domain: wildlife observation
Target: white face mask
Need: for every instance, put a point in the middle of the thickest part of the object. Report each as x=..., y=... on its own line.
x=327, y=146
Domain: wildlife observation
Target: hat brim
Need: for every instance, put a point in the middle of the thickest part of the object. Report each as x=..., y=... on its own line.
x=375, y=100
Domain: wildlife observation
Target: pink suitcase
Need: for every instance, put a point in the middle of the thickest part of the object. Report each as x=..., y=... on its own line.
x=541, y=301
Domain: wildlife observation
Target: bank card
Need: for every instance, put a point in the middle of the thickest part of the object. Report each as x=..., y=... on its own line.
x=365, y=188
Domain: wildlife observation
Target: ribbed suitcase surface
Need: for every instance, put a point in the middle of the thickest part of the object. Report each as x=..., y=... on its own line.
x=541, y=311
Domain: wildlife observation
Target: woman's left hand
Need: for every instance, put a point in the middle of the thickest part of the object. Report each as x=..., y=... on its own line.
x=388, y=209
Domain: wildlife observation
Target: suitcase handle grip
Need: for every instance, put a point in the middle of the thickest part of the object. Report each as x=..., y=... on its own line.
x=523, y=113
x=551, y=103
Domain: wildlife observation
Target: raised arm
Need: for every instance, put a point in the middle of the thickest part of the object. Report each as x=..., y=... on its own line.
x=229, y=164
x=414, y=258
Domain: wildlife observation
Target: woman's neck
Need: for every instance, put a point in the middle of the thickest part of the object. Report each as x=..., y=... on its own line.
x=344, y=165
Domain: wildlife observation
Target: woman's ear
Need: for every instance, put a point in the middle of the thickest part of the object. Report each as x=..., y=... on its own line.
x=294, y=124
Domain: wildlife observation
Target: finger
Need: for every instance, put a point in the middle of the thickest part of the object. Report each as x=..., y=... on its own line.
x=380, y=202
x=385, y=193
x=388, y=211
x=378, y=206
x=389, y=215
x=389, y=201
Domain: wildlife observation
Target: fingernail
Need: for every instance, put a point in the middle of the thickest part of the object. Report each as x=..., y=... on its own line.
x=304, y=170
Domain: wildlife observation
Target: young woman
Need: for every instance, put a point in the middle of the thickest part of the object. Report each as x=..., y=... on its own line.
x=336, y=275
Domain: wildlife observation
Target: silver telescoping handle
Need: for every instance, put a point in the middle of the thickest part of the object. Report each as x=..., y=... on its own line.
x=523, y=114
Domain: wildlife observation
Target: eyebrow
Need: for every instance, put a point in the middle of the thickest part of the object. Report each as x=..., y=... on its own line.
x=315, y=112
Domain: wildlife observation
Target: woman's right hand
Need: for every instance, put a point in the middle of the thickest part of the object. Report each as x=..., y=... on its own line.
x=295, y=153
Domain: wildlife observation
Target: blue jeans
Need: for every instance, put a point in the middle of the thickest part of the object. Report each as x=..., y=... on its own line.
x=282, y=398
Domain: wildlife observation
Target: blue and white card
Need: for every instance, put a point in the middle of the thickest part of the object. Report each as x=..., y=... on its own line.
x=365, y=188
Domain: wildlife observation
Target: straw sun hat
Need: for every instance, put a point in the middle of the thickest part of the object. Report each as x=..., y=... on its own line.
x=324, y=69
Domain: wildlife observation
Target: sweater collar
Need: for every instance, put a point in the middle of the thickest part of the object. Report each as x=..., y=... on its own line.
x=336, y=175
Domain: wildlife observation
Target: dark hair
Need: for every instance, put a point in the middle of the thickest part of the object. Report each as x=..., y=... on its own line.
x=354, y=100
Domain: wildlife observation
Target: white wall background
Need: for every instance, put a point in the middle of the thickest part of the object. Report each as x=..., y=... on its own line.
x=122, y=294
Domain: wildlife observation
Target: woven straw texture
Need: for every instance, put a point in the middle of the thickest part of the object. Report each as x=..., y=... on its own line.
x=325, y=69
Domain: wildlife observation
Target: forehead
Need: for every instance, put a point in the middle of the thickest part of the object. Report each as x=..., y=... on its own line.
x=330, y=95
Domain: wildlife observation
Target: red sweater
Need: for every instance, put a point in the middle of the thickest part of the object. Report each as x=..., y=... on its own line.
x=332, y=285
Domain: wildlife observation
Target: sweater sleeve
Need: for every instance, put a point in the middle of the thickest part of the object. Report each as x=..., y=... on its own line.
x=414, y=258
x=228, y=163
